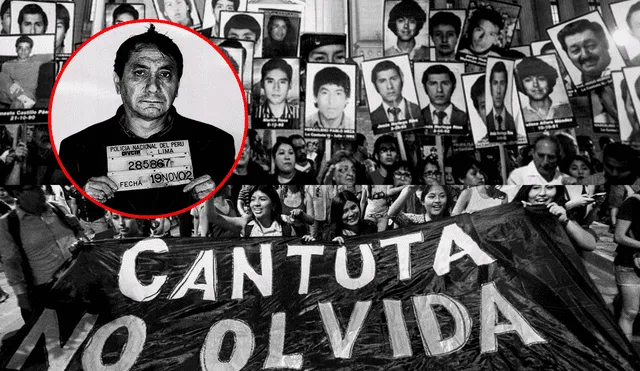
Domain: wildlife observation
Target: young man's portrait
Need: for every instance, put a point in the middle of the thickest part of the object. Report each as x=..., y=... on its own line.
x=627, y=17
x=630, y=92
x=64, y=28
x=118, y=13
x=183, y=12
x=406, y=28
x=498, y=94
x=211, y=17
x=629, y=124
x=280, y=34
x=278, y=103
x=243, y=26
x=245, y=62
x=32, y=18
x=444, y=32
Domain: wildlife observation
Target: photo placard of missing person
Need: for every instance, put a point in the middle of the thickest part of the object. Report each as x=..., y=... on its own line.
x=243, y=26
x=590, y=70
x=474, y=95
x=183, y=12
x=543, y=101
x=498, y=92
x=211, y=14
x=27, y=75
x=405, y=27
x=632, y=78
x=445, y=28
x=547, y=47
x=281, y=33
x=64, y=29
x=37, y=17
x=278, y=104
x=626, y=14
x=488, y=31
x=391, y=95
x=245, y=47
x=118, y=13
x=629, y=126
x=330, y=109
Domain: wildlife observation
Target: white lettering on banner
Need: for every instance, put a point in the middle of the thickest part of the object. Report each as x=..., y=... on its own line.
x=368, y=269
x=434, y=344
x=136, y=336
x=342, y=345
x=128, y=282
x=403, y=245
x=493, y=301
x=398, y=334
x=241, y=268
x=205, y=263
x=244, y=343
x=58, y=356
x=305, y=252
x=454, y=234
x=276, y=358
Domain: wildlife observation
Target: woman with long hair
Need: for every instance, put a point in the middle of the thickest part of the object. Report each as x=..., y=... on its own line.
x=347, y=219
x=284, y=163
x=435, y=199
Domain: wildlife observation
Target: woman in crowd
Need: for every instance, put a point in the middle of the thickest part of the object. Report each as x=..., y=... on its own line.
x=294, y=208
x=467, y=171
x=435, y=200
x=284, y=160
x=627, y=261
x=341, y=169
x=478, y=198
x=579, y=167
x=431, y=173
x=347, y=219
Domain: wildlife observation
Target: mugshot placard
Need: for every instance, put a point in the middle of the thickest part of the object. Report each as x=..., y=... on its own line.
x=330, y=109
x=26, y=78
x=118, y=13
x=498, y=92
x=547, y=47
x=543, y=101
x=629, y=125
x=183, y=12
x=243, y=26
x=627, y=17
x=488, y=30
x=474, y=95
x=211, y=14
x=405, y=27
x=278, y=104
x=587, y=50
x=391, y=95
x=32, y=17
x=241, y=53
x=281, y=33
x=441, y=97
x=445, y=26
x=632, y=78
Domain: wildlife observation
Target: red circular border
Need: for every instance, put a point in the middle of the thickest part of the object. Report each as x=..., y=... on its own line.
x=244, y=136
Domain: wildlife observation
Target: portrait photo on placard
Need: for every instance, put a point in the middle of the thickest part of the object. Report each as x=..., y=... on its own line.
x=474, y=95
x=211, y=16
x=632, y=78
x=243, y=26
x=547, y=47
x=130, y=145
x=286, y=5
x=245, y=62
x=445, y=26
x=32, y=17
x=543, y=100
x=521, y=134
x=441, y=97
x=499, y=107
x=330, y=109
x=183, y=12
x=323, y=48
x=26, y=77
x=278, y=105
x=64, y=28
x=391, y=94
x=118, y=13
x=629, y=125
x=488, y=30
x=281, y=33
x=627, y=17
x=587, y=50
x=406, y=28
x=604, y=111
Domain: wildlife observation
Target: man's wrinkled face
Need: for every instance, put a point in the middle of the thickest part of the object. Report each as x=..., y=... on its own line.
x=439, y=88
x=177, y=11
x=444, y=38
x=536, y=87
x=333, y=53
x=149, y=83
x=545, y=157
x=278, y=30
x=41, y=137
x=23, y=50
x=406, y=28
x=276, y=86
x=32, y=24
x=242, y=34
x=389, y=85
x=498, y=88
x=300, y=148
x=588, y=53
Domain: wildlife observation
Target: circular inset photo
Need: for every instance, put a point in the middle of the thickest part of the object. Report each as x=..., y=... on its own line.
x=148, y=119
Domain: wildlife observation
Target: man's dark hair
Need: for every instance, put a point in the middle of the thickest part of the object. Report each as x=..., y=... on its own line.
x=533, y=66
x=484, y=14
x=359, y=141
x=296, y=136
x=461, y=164
x=236, y=4
x=579, y=26
x=276, y=64
x=24, y=39
x=477, y=91
x=62, y=14
x=499, y=67
x=234, y=44
x=407, y=9
x=135, y=43
x=331, y=75
x=634, y=8
x=439, y=69
x=384, y=139
x=242, y=22
x=309, y=42
x=445, y=18
x=383, y=66
x=161, y=6
x=286, y=20
x=125, y=9
x=33, y=9
x=5, y=7
x=548, y=47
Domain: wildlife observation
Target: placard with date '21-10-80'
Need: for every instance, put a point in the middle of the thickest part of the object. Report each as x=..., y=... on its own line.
x=149, y=165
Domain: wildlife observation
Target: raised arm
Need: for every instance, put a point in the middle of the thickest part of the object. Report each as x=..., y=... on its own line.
x=398, y=204
x=226, y=222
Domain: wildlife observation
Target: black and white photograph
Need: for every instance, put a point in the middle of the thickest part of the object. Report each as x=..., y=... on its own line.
x=547, y=47
x=118, y=13
x=243, y=26
x=542, y=98
x=27, y=75
x=523, y=49
x=32, y=17
x=604, y=110
x=116, y=87
x=391, y=95
x=632, y=79
x=183, y=12
x=323, y=48
x=473, y=87
x=445, y=27
x=628, y=124
x=488, y=30
x=241, y=52
x=587, y=50
x=278, y=105
x=64, y=29
x=211, y=16
x=281, y=33
x=406, y=28
x=627, y=17
x=307, y=24
x=441, y=97
x=330, y=109
x=498, y=92
x=359, y=93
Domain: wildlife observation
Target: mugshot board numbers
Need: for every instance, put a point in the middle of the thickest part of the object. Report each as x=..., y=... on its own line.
x=150, y=165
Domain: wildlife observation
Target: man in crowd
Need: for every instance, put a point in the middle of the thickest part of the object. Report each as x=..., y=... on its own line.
x=276, y=83
x=62, y=26
x=323, y=48
x=544, y=167
x=499, y=118
x=124, y=12
x=218, y=6
x=586, y=45
x=178, y=11
x=387, y=78
x=242, y=27
x=147, y=72
x=439, y=82
x=444, y=30
x=35, y=163
x=303, y=164
x=406, y=19
x=536, y=79
x=32, y=20
x=247, y=171
x=331, y=91
x=278, y=41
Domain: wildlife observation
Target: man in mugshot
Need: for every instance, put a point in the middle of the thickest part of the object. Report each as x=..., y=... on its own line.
x=406, y=19
x=32, y=20
x=62, y=26
x=536, y=79
x=124, y=12
x=499, y=118
x=323, y=48
x=147, y=72
x=242, y=27
x=388, y=80
x=439, y=82
x=483, y=32
x=218, y=6
x=178, y=11
x=331, y=91
x=586, y=45
x=633, y=21
x=276, y=82
x=444, y=30
x=278, y=41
